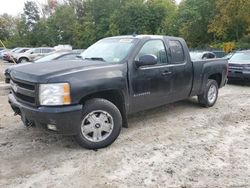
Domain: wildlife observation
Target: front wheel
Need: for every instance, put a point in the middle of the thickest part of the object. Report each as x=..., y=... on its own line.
x=22, y=60
x=210, y=94
x=101, y=124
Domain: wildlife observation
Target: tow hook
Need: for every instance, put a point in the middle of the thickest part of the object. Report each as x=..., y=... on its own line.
x=29, y=124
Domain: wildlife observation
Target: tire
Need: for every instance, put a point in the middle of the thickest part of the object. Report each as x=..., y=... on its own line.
x=7, y=80
x=210, y=95
x=23, y=60
x=91, y=133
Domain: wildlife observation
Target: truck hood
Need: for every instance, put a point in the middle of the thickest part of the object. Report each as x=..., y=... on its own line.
x=239, y=62
x=42, y=72
x=15, y=66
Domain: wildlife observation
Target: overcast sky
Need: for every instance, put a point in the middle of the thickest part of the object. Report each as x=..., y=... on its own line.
x=15, y=7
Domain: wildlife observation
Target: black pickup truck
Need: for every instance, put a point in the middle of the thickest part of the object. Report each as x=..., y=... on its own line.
x=91, y=98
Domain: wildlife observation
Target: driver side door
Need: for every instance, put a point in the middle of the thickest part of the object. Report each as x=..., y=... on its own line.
x=150, y=85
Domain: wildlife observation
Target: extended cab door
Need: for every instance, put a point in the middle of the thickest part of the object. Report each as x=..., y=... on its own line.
x=150, y=86
x=181, y=68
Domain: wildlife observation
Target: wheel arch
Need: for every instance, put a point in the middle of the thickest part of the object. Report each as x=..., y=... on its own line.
x=115, y=96
x=23, y=57
x=217, y=77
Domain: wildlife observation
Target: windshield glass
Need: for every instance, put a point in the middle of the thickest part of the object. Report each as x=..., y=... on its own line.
x=228, y=56
x=19, y=50
x=111, y=50
x=49, y=57
x=240, y=56
x=196, y=55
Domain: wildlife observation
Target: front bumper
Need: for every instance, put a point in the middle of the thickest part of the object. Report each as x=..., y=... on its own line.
x=238, y=75
x=66, y=119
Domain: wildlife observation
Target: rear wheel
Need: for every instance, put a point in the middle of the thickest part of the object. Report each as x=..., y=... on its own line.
x=101, y=124
x=210, y=94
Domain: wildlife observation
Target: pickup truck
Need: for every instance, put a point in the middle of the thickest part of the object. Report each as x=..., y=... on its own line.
x=90, y=98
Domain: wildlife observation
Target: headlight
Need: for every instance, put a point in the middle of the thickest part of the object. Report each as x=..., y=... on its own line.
x=54, y=94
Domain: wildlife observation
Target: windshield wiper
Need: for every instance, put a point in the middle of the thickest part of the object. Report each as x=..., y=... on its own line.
x=95, y=58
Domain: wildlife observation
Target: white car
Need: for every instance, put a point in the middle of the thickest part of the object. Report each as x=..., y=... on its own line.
x=33, y=54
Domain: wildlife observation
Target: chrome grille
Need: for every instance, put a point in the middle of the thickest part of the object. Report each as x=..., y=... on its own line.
x=235, y=67
x=23, y=91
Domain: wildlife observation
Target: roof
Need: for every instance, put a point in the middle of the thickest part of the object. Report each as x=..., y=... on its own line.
x=145, y=36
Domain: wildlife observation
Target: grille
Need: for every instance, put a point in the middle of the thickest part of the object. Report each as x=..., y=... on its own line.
x=24, y=92
x=235, y=67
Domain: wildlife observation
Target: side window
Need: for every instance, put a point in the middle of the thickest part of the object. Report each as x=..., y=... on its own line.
x=50, y=50
x=45, y=50
x=154, y=47
x=37, y=51
x=23, y=50
x=177, y=52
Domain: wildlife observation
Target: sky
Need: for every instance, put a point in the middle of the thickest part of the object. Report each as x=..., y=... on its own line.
x=15, y=7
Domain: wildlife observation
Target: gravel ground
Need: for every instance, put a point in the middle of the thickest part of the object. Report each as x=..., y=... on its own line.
x=177, y=145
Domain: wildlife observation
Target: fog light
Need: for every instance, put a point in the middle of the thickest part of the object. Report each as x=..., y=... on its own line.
x=51, y=127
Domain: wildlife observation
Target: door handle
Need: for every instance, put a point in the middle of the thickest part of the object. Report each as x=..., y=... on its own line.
x=166, y=73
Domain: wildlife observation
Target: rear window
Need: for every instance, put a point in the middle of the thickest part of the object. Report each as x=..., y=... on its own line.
x=177, y=52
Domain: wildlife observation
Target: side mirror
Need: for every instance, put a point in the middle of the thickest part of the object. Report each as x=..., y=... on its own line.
x=146, y=60
x=31, y=52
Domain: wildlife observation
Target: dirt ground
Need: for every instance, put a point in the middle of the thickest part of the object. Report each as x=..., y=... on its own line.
x=3, y=66
x=177, y=145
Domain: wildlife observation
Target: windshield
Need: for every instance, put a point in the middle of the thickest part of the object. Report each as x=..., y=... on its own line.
x=240, y=56
x=228, y=56
x=20, y=50
x=112, y=50
x=196, y=55
x=49, y=57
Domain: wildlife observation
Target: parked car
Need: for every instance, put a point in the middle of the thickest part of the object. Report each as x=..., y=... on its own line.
x=33, y=54
x=14, y=54
x=239, y=66
x=6, y=56
x=2, y=52
x=219, y=53
x=61, y=55
x=9, y=56
x=91, y=98
x=199, y=55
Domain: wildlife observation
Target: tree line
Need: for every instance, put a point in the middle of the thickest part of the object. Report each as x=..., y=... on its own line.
x=202, y=23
